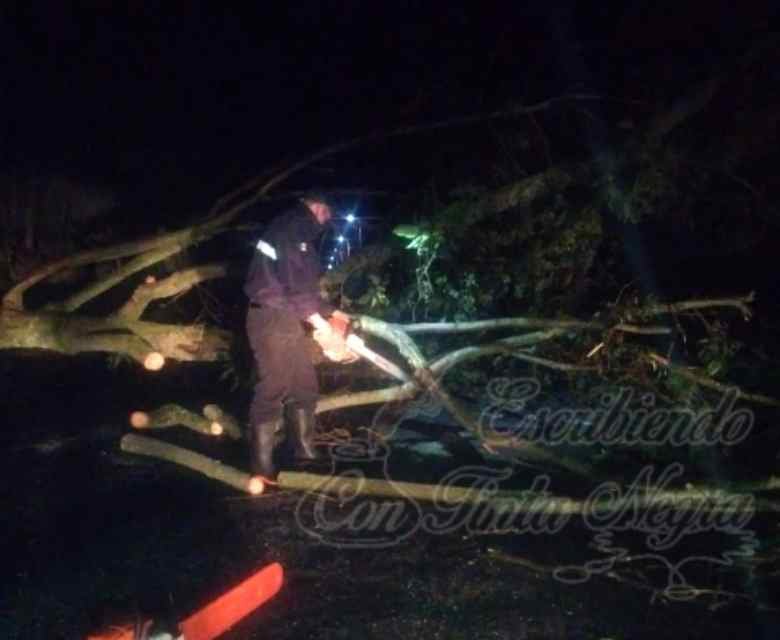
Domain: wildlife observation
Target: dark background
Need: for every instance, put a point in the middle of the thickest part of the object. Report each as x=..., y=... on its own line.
x=174, y=103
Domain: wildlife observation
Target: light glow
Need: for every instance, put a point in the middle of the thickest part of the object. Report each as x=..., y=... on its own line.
x=256, y=485
x=139, y=419
x=154, y=361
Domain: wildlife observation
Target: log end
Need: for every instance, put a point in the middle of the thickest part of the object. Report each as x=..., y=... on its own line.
x=139, y=419
x=256, y=485
x=216, y=429
x=154, y=361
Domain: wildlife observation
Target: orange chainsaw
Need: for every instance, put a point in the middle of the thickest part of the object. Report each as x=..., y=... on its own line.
x=341, y=323
x=216, y=617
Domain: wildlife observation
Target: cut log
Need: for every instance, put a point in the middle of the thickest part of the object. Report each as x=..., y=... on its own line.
x=141, y=445
x=504, y=502
x=222, y=420
x=173, y=415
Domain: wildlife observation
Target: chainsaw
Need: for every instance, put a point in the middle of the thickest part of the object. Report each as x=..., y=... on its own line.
x=215, y=618
x=340, y=323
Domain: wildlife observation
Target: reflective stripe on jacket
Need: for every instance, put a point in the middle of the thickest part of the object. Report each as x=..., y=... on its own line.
x=285, y=270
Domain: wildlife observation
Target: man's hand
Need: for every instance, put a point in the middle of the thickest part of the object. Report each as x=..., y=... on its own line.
x=318, y=322
x=331, y=341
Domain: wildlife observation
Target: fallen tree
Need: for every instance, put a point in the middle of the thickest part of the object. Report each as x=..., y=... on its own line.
x=64, y=326
x=426, y=374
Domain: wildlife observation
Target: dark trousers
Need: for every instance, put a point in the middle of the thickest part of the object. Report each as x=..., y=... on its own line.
x=284, y=367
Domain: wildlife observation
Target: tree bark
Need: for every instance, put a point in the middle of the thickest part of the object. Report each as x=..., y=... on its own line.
x=72, y=334
x=209, y=467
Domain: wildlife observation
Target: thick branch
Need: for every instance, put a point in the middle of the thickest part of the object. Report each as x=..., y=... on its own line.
x=66, y=333
x=182, y=342
x=101, y=285
x=395, y=335
x=213, y=469
x=182, y=238
x=378, y=396
x=176, y=283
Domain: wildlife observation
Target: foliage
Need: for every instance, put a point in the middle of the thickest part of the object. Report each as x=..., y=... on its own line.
x=375, y=299
x=637, y=186
x=716, y=352
x=467, y=262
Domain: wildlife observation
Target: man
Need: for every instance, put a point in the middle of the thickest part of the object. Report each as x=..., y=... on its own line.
x=283, y=289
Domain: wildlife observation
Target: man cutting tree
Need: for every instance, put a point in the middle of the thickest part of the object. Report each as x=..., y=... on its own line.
x=283, y=289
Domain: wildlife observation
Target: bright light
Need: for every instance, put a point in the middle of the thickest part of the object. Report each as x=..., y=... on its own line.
x=330, y=266
x=351, y=217
x=341, y=239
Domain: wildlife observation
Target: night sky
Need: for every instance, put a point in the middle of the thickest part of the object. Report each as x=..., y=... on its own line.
x=168, y=99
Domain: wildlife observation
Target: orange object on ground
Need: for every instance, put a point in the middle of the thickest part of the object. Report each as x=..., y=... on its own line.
x=219, y=615
x=224, y=612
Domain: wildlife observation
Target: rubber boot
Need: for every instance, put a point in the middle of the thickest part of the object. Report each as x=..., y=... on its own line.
x=303, y=433
x=262, y=441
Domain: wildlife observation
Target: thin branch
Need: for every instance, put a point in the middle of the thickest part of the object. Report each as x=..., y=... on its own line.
x=739, y=302
x=705, y=381
x=646, y=331
x=507, y=346
x=259, y=186
x=494, y=324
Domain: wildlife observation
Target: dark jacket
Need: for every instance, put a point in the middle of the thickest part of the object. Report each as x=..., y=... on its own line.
x=285, y=269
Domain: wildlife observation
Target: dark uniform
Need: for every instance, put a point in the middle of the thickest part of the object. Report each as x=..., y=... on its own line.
x=283, y=289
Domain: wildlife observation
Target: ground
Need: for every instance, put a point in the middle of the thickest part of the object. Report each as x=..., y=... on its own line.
x=94, y=537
